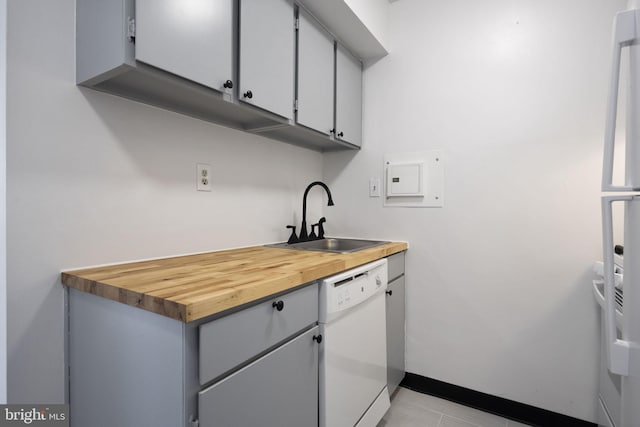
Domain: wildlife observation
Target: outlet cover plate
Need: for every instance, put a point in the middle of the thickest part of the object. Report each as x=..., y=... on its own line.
x=203, y=177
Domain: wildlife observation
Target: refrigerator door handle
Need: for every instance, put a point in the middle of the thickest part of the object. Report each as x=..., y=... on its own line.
x=623, y=34
x=617, y=350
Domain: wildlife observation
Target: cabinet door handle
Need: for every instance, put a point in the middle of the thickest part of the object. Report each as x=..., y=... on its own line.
x=332, y=131
x=248, y=94
x=317, y=338
x=389, y=293
x=228, y=84
x=341, y=134
x=278, y=305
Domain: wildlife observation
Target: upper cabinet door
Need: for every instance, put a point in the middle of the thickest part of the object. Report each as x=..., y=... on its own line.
x=267, y=55
x=348, y=97
x=315, y=75
x=190, y=38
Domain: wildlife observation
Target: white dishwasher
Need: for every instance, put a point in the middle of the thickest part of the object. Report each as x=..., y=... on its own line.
x=353, y=355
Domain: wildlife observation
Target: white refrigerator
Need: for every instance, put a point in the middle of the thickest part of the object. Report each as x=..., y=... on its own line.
x=619, y=398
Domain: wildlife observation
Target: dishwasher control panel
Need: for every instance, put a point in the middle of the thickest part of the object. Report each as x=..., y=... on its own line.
x=350, y=288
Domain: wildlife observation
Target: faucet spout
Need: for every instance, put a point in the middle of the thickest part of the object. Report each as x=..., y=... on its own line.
x=303, y=230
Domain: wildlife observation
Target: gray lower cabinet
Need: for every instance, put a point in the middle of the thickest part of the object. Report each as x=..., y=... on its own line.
x=315, y=75
x=279, y=389
x=267, y=55
x=348, y=97
x=253, y=330
x=255, y=366
x=395, y=321
x=191, y=39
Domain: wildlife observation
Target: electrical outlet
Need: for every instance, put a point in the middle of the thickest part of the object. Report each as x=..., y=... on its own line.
x=374, y=187
x=203, y=177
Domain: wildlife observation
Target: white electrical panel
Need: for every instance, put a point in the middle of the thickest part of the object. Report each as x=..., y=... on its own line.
x=414, y=179
x=405, y=179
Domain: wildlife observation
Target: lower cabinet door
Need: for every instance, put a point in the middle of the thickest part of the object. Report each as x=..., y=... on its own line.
x=395, y=333
x=277, y=390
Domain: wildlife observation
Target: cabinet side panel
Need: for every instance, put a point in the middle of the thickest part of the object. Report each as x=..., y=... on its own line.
x=100, y=37
x=126, y=365
x=315, y=75
x=348, y=97
x=267, y=47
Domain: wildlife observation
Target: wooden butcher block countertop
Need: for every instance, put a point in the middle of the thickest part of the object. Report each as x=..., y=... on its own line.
x=191, y=287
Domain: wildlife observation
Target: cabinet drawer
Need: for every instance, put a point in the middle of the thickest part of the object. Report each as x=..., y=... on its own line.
x=395, y=265
x=232, y=340
x=279, y=389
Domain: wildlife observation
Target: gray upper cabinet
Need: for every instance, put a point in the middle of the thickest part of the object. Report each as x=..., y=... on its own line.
x=348, y=97
x=267, y=55
x=192, y=39
x=315, y=75
x=200, y=58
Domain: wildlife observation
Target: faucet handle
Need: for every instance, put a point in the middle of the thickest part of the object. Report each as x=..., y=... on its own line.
x=313, y=235
x=293, y=238
x=321, y=227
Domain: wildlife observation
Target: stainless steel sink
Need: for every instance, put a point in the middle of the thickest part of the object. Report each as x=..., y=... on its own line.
x=336, y=245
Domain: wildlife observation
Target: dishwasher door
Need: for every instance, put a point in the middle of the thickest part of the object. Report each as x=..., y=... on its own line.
x=353, y=354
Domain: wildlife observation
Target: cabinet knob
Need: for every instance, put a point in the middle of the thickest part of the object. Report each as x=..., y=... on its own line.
x=248, y=94
x=341, y=134
x=228, y=84
x=317, y=338
x=278, y=305
x=332, y=131
x=389, y=293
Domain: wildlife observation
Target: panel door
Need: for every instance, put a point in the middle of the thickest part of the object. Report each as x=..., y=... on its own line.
x=192, y=39
x=279, y=389
x=315, y=75
x=395, y=333
x=267, y=55
x=348, y=97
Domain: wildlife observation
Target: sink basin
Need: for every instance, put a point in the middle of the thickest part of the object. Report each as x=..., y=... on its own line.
x=329, y=244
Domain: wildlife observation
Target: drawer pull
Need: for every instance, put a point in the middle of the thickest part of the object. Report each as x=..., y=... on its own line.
x=317, y=338
x=389, y=293
x=278, y=305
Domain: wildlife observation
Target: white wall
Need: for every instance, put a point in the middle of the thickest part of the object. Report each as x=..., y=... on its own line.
x=514, y=91
x=3, y=207
x=97, y=179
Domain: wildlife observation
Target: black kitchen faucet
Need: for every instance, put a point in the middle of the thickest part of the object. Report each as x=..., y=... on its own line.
x=303, y=229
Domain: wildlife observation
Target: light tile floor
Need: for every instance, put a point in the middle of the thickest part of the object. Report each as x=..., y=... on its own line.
x=412, y=409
